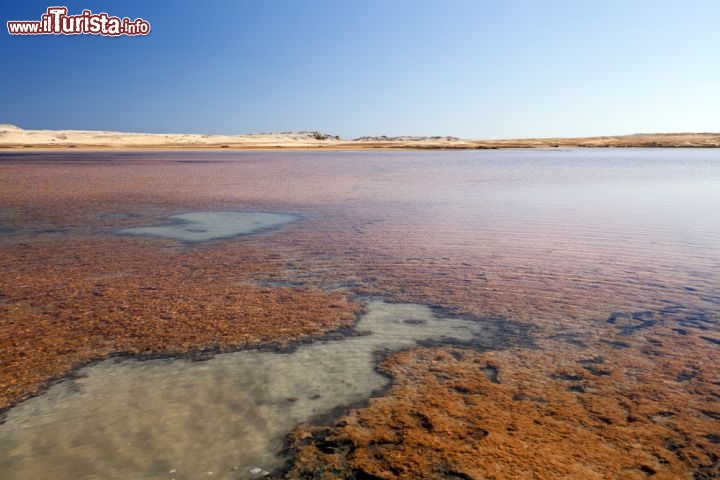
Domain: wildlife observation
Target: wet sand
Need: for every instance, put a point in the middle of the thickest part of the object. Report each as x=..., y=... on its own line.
x=610, y=258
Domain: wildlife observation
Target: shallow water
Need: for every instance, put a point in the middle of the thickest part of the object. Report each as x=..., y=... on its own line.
x=564, y=240
x=226, y=415
x=204, y=226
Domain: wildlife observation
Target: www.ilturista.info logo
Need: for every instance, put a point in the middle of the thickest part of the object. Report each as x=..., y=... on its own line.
x=57, y=22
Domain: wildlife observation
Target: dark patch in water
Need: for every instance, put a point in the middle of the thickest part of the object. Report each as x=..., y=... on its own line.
x=709, y=471
x=569, y=338
x=711, y=299
x=454, y=474
x=424, y=421
x=629, y=323
x=616, y=344
x=605, y=420
x=566, y=376
x=651, y=352
x=711, y=414
x=695, y=321
x=464, y=390
x=328, y=445
x=529, y=398
x=413, y=321
x=685, y=376
x=716, y=341
x=647, y=470
x=598, y=372
x=674, y=445
x=491, y=372
x=359, y=474
x=591, y=361
x=457, y=355
x=662, y=415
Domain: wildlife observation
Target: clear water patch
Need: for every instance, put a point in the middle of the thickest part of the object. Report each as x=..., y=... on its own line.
x=205, y=226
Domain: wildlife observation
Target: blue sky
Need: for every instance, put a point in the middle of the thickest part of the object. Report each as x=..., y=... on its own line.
x=481, y=69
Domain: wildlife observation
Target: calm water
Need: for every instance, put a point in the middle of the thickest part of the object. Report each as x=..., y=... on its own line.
x=561, y=237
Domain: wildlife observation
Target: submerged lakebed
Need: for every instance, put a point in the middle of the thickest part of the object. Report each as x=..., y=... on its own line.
x=594, y=274
x=223, y=418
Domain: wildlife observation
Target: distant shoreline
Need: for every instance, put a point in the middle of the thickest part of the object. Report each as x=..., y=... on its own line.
x=13, y=139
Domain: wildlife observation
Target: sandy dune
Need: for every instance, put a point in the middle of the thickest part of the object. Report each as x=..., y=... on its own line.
x=12, y=137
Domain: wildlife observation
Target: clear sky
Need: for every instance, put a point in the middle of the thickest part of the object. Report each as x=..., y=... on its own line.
x=481, y=69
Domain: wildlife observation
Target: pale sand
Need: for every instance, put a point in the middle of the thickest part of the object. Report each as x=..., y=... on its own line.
x=12, y=137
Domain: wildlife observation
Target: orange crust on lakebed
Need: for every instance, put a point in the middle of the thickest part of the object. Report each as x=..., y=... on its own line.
x=446, y=417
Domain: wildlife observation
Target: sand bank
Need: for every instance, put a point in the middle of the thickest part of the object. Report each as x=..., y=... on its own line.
x=12, y=138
